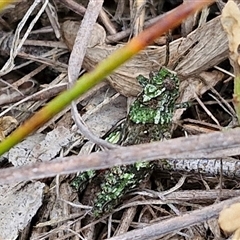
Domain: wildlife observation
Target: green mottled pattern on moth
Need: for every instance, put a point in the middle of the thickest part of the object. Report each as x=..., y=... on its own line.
x=118, y=181
x=114, y=137
x=157, y=102
x=80, y=181
x=149, y=119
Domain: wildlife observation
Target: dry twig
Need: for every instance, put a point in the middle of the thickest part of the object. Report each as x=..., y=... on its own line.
x=212, y=145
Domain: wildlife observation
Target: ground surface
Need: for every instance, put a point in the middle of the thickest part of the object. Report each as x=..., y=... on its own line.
x=51, y=208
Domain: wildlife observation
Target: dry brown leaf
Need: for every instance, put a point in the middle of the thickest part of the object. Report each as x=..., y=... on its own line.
x=70, y=28
x=192, y=86
x=7, y=124
x=236, y=235
x=231, y=23
x=203, y=51
x=229, y=218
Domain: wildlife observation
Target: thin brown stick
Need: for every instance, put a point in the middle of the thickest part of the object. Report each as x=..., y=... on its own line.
x=164, y=227
x=212, y=145
x=74, y=6
x=41, y=95
x=79, y=9
x=107, y=22
x=194, y=196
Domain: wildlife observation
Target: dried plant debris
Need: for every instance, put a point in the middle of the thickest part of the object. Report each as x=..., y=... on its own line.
x=7, y=124
x=104, y=104
x=229, y=220
x=36, y=148
x=18, y=205
x=10, y=93
x=231, y=24
x=185, y=55
x=194, y=50
x=23, y=152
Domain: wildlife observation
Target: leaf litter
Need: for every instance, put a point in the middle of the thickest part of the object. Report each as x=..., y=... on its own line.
x=192, y=56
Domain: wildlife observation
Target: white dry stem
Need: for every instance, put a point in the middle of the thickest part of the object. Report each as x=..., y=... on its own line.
x=75, y=62
x=16, y=45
